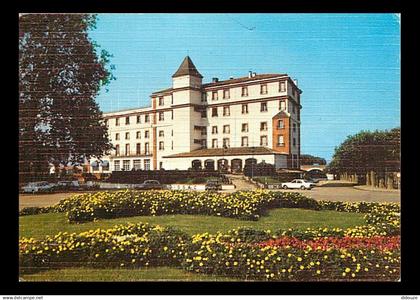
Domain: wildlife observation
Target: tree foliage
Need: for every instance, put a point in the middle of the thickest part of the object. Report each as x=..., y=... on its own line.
x=368, y=151
x=60, y=74
x=307, y=159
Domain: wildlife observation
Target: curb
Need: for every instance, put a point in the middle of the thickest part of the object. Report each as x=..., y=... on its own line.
x=375, y=190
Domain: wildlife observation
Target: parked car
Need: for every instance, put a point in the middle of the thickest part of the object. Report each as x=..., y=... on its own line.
x=150, y=185
x=39, y=186
x=68, y=185
x=213, y=185
x=298, y=184
x=314, y=180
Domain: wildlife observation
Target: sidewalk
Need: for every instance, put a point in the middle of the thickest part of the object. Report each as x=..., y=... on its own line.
x=374, y=189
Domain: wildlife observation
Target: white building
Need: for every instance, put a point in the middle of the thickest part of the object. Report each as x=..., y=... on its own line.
x=193, y=124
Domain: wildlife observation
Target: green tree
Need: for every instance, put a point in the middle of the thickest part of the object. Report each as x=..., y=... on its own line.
x=307, y=159
x=60, y=74
x=368, y=151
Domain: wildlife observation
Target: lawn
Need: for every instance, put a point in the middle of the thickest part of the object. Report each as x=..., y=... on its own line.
x=37, y=226
x=147, y=274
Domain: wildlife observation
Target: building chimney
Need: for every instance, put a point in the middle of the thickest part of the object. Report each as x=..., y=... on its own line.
x=215, y=79
x=249, y=74
x=231, y=77
x=253, y=74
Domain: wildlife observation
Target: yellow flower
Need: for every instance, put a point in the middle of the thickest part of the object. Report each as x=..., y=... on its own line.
x=347, y=270
x=318, y=272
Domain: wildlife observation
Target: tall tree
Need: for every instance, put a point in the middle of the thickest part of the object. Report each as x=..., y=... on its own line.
x=60, y=74
x=368, y=151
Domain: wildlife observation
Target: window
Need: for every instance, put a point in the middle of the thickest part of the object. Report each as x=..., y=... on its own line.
x=117, y=165
x=172, y=145
x=263, y=126
x=161, y=116
x=117, y=136
x=95, y=166
x=294, y=127
x=138, y=135
x=226, y=94
x=172, y=132
x=282, y=105
x=105, y=165
x=161, y=133
x=137, y=164
x=244, y=91
x=127, y=149
x=214, y=130
x=126, y=165
x=263, y=89
x=127, y=120
x=138, y=148
x=244, y=141
x=203, y=97
x=161, y=146
x=263, y=106
x=214, y=112
x=146, y=118
x=293, y=108
x=127, y=135
x=280, y=124
x=161, y=165
x=295, y=161
x=117, y=150
x=294, y=141
x=245, y=127
x=138, y=119
x=146, y=148
x=282, y=86
x=214, y=143
x=263, y=140
x=226, y=110
x=161, y=101
x=172, y=114
x=226, y=128
x=244, y=108
x=147, y=164
x=204, y=131
x=204, y=113
x=280, y=140
x=214, y=95
x=226, y=143
x=146, y=134
x=117, y=121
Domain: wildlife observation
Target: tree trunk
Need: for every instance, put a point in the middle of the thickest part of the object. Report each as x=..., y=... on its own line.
x=390, y=182
x=373, y=178
x=368, y=179
x=381, y=183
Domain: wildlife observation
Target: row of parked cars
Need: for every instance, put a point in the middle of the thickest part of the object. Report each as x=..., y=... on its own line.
x=48, y=187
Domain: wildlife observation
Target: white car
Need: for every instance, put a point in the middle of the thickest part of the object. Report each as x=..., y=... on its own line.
x=40, y=186
x=298, y=184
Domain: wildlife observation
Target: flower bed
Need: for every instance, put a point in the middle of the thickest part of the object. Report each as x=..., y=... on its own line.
x=246, y=205
x=297, y=261
x=123, y=245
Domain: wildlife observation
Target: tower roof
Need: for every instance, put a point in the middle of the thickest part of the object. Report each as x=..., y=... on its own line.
x=187, y=68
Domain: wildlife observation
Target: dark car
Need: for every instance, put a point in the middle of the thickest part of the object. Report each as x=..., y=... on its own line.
x=213, y=185
x=150, y=185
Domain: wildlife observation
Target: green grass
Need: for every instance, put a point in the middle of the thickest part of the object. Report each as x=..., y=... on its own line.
x=147, y=274
x=37, y=226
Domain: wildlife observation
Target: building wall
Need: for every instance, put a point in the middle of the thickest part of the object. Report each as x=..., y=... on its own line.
x=181, y=110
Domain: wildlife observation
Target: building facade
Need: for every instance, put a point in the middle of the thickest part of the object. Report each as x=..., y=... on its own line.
x=221, y=124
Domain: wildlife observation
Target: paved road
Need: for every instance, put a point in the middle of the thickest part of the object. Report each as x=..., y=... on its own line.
x=350, y=194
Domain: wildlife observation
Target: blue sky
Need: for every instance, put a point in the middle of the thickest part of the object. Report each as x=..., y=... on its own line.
x=347, y=65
